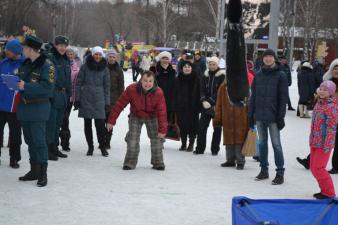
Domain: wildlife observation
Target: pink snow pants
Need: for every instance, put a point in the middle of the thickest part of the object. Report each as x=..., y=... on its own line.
x=318, y=162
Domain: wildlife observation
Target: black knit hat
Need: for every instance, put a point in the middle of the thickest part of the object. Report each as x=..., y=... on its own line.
x=186, y=63
x=61, y=40
x=32, y=42
x=269, y=52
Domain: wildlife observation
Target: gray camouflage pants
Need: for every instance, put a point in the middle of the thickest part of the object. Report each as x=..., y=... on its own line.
x=133, y=142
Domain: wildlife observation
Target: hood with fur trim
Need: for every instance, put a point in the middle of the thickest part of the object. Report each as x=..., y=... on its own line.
x=219, y=72
x=328, y=75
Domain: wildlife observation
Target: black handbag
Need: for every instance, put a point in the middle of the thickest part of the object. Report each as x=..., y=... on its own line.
x=173, y=132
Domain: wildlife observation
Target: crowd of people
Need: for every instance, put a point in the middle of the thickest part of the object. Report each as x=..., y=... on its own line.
x=52, y=82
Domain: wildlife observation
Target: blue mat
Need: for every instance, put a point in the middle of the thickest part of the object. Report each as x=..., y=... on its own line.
x=247, y=211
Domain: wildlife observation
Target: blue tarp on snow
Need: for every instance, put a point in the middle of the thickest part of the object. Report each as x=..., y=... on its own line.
x=247, y=211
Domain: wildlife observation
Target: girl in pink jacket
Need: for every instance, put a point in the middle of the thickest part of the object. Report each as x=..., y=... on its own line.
x=322, y=138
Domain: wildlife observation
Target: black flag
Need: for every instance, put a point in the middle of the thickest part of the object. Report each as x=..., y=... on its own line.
x=236, y=70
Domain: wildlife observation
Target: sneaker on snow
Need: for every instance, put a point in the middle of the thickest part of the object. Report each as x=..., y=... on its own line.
x=278, y=180
x=263, y=175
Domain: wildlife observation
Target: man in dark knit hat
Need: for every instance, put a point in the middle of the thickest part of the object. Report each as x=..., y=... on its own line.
x=61, y=95
x=267, y=110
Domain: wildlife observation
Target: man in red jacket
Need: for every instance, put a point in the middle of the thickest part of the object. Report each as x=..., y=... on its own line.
x=147, y=106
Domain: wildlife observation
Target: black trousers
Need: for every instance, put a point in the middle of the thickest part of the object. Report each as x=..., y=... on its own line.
x=14, y=133
x=289, y=102
x=202, y=135
x=184, y=138
x=65, y=131
x=100, y=132
x=108, y=134
x=335, y=154
x=135, y=71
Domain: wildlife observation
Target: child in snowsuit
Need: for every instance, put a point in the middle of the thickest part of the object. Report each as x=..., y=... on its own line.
x=322, y=138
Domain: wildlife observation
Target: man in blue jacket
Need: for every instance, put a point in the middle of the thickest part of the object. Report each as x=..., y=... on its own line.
x=9, y=66
x=267, y=109
x=37, y=77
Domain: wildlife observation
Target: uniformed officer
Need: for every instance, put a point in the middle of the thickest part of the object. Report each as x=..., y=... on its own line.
x=62, y=92
x=36, y=86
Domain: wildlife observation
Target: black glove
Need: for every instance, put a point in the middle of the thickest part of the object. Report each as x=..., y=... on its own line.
x=280, y=124
x=107, y=108
x=251, y=123
x=76, y=105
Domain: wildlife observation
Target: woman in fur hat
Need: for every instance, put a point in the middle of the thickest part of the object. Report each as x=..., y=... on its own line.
x=186, y=104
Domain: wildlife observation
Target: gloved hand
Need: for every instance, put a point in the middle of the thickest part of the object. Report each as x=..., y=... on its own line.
x=76, y=105
x=280, y=124
x=206, y=105
x=251, y=123
x=107, y=108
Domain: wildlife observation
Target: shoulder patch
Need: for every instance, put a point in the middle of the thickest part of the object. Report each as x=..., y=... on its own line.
x=51, y=74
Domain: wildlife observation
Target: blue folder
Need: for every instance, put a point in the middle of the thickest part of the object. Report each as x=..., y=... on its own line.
x=11, y=81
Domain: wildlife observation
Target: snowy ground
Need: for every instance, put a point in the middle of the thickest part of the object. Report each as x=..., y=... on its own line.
x=193, y=190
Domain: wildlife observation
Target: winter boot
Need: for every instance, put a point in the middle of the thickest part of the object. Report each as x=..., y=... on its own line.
x=333, y=171
x=263, y=175
x=191, y=144
x=240, y=167
x=14, y=163
x=33, y=174
x=90, y=151
x=183, y=147
x=304, y=162
x=51, y=153
x=161, y=168
x=65, y=136
x=108, y=139
x=306, y=112
x=104, y=152
x=320, y=196
x=278, y=180
x=42, y=178
x=184, y=143
x=228, y=164
x=127, y=168
x=58, y=153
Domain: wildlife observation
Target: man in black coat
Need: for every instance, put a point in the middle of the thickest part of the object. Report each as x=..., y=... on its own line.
x=286, y=69
x=267, y=109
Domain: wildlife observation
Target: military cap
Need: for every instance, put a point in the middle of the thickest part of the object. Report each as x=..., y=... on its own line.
x=32, y=42
x=61, y=40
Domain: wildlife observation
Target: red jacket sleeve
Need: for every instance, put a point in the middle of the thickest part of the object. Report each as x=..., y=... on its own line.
x=120, y=104
x=161, y=110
